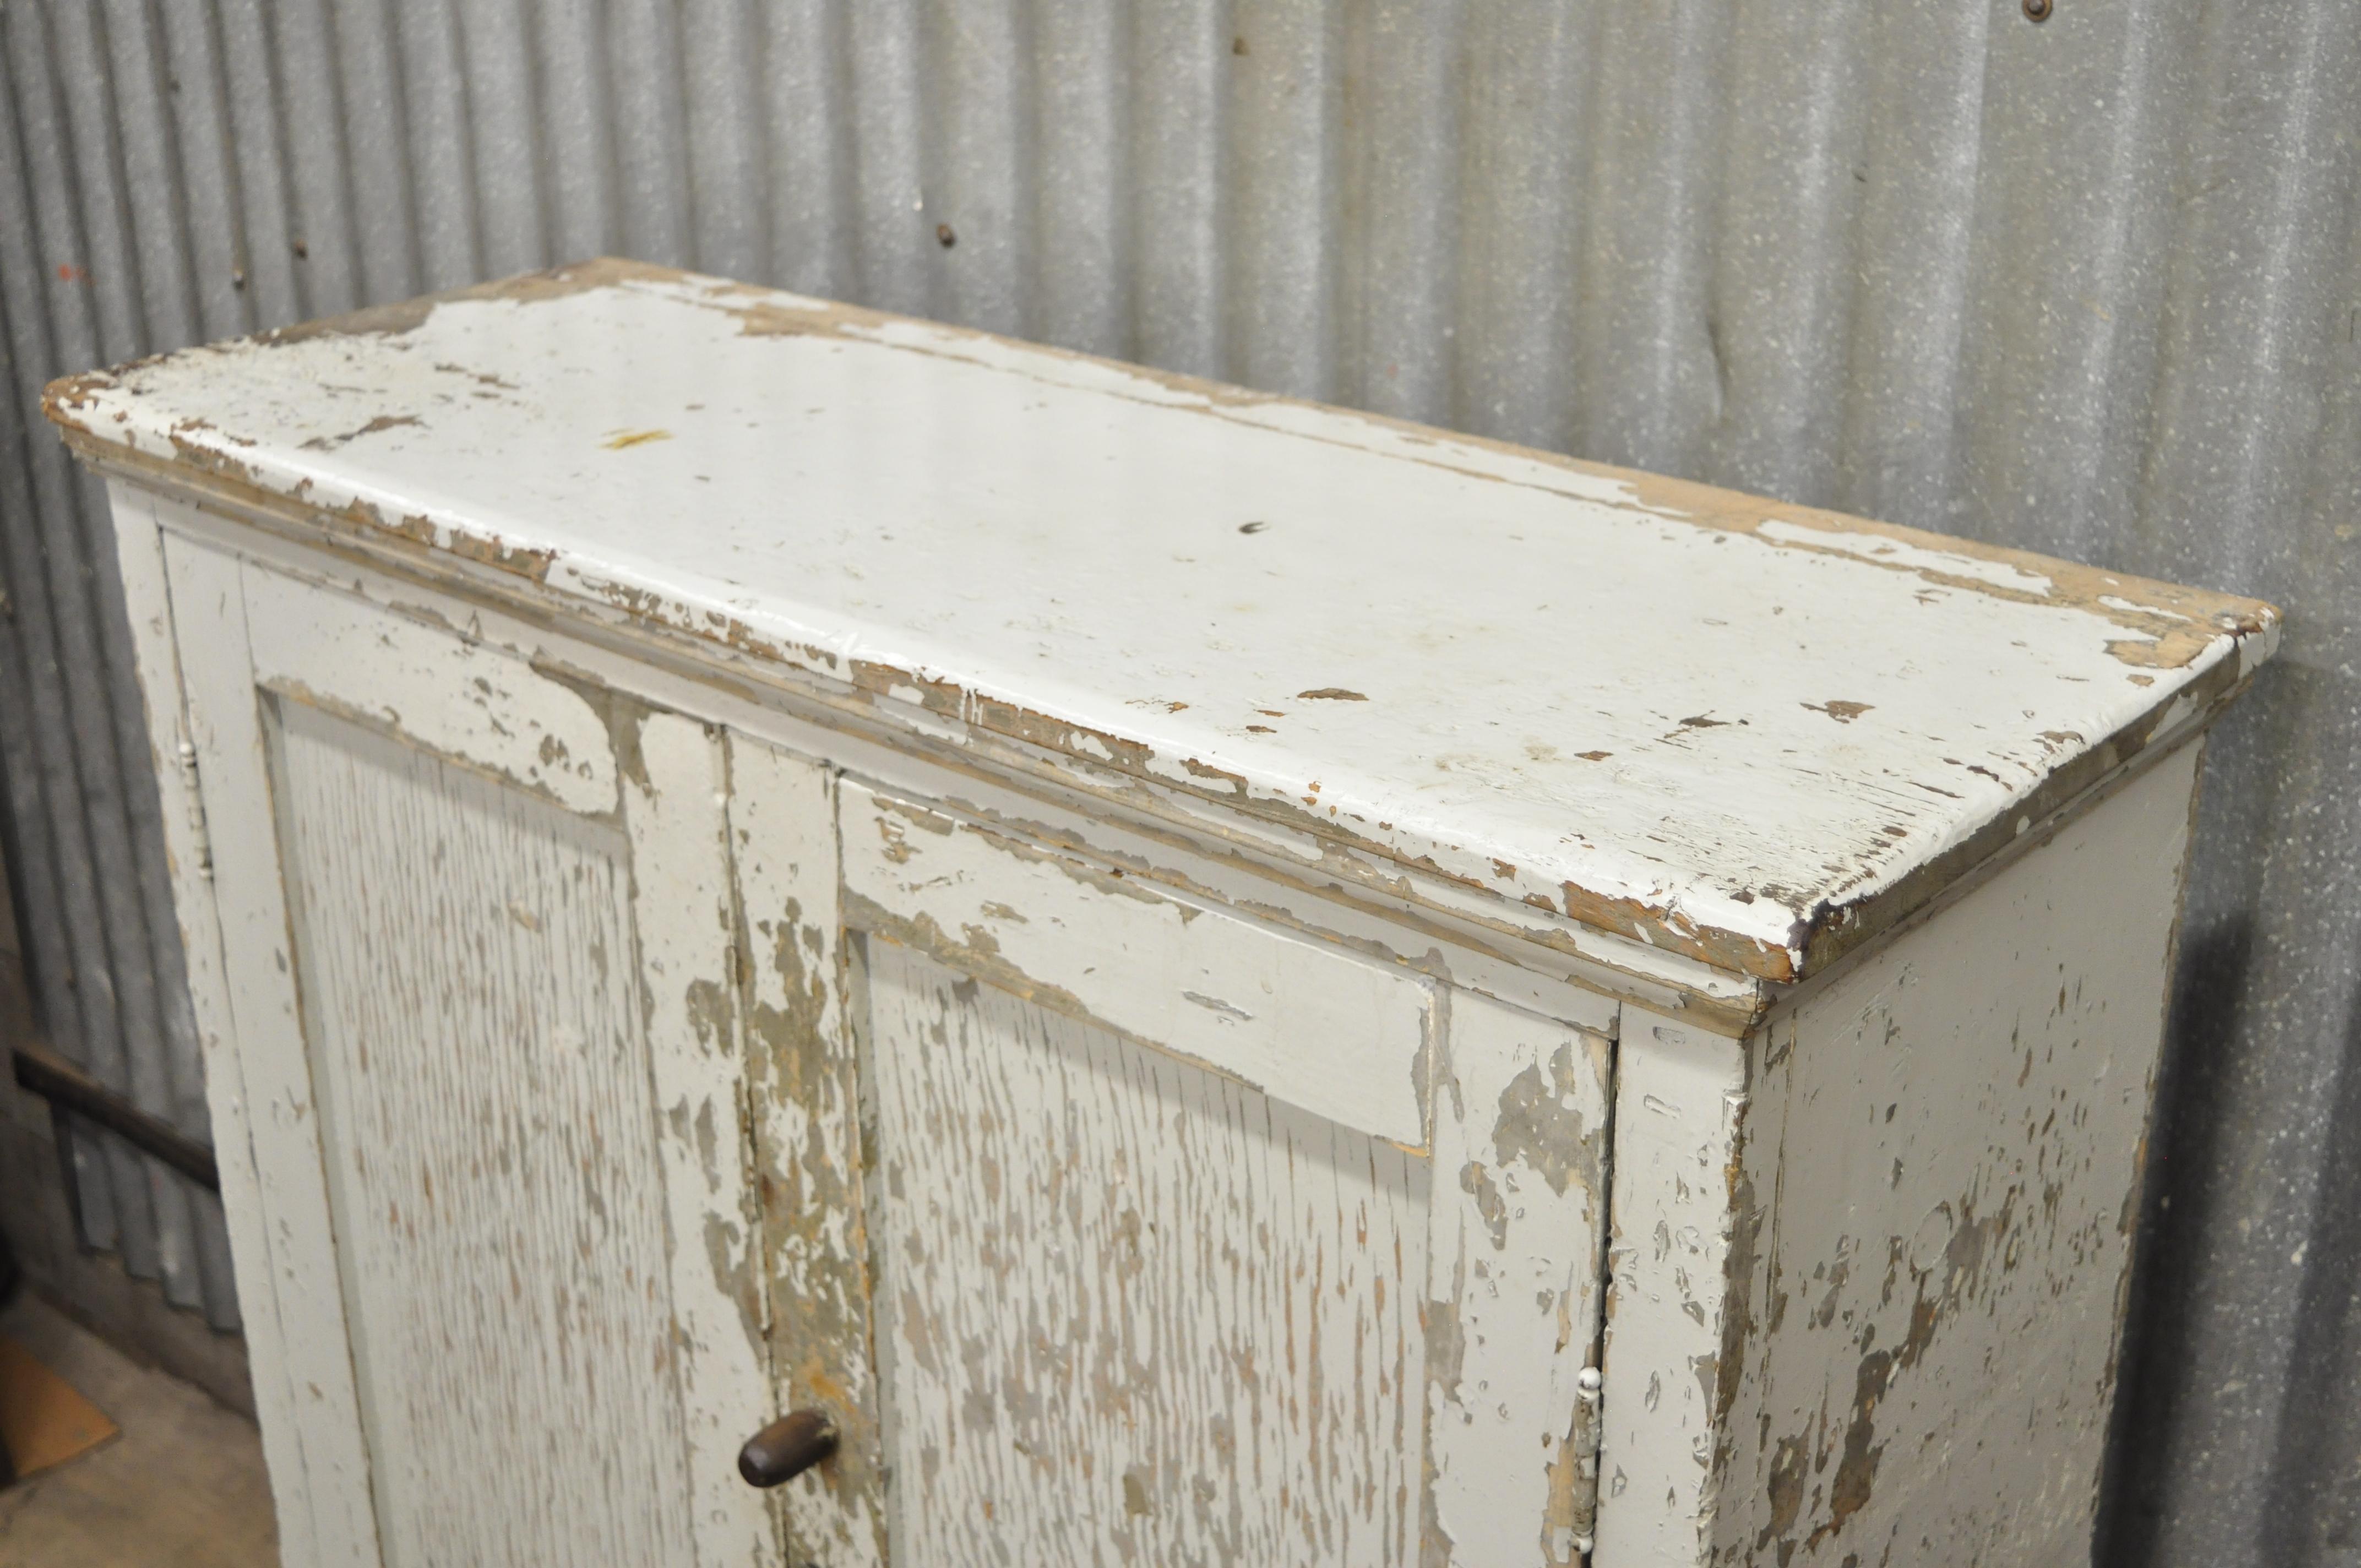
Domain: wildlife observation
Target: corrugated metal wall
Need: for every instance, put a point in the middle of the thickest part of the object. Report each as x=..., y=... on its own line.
x=2092, y=286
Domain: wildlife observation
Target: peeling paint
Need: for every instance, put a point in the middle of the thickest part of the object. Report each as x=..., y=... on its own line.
x=1540, y=1123
x=1843, y=864
x=1948, y=1371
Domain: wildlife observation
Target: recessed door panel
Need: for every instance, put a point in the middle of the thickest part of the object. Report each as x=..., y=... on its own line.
x=465, y=952
x=1132, y=1311
x=479, y=931
x=1196, y=1240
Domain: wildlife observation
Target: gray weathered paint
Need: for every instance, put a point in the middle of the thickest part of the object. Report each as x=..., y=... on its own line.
x=2092, y=286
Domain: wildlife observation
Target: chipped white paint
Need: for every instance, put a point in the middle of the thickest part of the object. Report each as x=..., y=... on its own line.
x=454, y=698
x=1947, y=1207
x=1304, y=1023
x=1131, y=1310
x=1108, y=1101
x=331, y=1515
x=489, y=1145
x=684, y=910
x=1520, y=1123
x=1681, y=1106
x=175, y=750
x=544, y=1240
x=1508, y=1213
x=805, y=1089
x=1771, y=727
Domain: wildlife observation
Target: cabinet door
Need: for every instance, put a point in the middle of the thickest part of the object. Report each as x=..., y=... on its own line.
x=1198, y=1241
x=477, y=927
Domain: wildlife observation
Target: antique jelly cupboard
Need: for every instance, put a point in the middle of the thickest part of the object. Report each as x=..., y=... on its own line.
x=1174, y=976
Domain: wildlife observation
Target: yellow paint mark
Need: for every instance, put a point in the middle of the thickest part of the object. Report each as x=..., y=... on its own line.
x=621, y=439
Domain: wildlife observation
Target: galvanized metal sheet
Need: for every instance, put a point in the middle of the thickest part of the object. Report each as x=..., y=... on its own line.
x=2090, y=286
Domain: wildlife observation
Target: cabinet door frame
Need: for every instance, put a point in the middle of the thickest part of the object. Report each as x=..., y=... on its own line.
x=1511, y=1108
x=1532, y=1009
x=239, y=651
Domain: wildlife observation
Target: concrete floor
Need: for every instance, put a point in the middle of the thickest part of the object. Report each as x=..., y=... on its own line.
x=182, y=1487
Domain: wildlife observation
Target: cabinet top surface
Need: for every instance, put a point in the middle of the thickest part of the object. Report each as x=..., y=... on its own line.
x=1721, y=725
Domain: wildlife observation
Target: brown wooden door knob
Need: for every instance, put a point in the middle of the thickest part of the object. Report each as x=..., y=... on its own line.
x=786, y=1448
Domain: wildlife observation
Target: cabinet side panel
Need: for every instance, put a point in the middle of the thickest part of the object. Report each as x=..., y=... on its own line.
x=1952, y=1210
x=1132, y=1312
x=482, y=1078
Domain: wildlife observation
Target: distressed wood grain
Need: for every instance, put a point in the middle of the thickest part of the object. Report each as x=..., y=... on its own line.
x=1514, y=1284
x=482, y=1076
x=1948, y=1205
x=804, y=1085
x=1131, y=1312
x=1106, y=1031
x=1239, y=996
x=526, y=916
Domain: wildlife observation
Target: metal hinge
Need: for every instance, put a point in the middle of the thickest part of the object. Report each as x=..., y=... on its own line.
x=1587, y=1385
x=200, y=840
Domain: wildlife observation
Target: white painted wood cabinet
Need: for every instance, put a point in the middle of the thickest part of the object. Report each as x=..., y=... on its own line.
x=1209, y=979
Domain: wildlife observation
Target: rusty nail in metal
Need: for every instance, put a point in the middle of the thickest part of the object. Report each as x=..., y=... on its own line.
x=2037, y=10
x=944, y=236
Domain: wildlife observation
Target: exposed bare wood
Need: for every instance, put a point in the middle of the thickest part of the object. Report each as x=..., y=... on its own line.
x=490, y=1147
x=1797, y=775
x=1946, y=1216
x=1131, y=1309
x=1684, y=1223
x=1521, y=1161
x=804, y=1087
x=1159, y=1057
x=687, y=968
x=320, y=1459
x=1304, y=1023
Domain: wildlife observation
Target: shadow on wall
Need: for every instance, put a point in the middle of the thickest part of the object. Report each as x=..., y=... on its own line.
x=2246, y=1303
